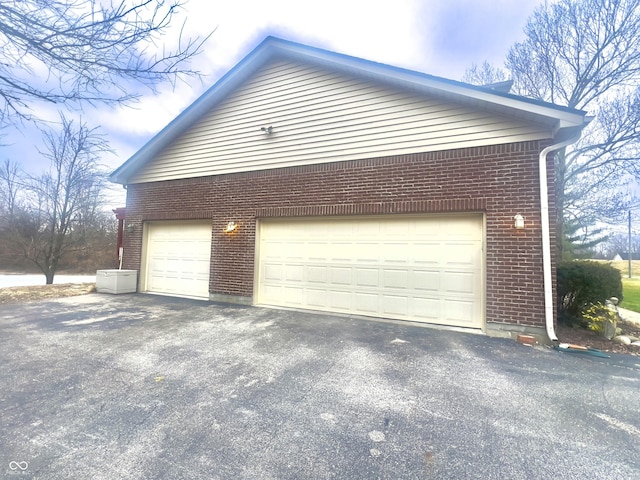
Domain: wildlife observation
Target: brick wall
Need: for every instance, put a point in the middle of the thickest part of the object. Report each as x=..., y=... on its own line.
x=499, y=181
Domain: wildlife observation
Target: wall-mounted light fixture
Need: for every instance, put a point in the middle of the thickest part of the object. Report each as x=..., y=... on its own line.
x=268, y=130
x=131, y=227
x=231, y=227
x=518, y=221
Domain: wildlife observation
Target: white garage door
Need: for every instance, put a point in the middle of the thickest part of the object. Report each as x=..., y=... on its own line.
x=427, y=269
x=178, y=255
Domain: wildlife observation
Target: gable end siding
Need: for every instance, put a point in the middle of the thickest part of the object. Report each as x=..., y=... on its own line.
x=319, y=116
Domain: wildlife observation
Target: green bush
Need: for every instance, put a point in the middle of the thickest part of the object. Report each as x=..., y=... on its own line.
x=583, y=283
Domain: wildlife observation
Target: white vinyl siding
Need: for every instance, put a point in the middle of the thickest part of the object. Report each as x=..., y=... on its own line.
x=320, y=116
x=418, y=268
x=177, y=259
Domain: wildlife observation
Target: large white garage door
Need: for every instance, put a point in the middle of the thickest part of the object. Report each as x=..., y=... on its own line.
x=427, y=269
x=178, y=255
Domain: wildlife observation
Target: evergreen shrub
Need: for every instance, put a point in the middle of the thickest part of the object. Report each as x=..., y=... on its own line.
x=585, y=283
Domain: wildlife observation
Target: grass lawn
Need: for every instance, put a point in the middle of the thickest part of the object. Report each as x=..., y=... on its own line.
x=631, y=292
x=630, y=286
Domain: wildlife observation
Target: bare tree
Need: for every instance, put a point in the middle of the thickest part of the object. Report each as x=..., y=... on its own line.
x=60, y=203
x=484, y=74
x=75, y=51
x=9, y=186
x=9, y=209
x=585, y=54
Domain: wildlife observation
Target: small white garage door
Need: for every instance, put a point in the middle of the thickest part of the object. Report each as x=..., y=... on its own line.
x=178, y=255
x=427, y=269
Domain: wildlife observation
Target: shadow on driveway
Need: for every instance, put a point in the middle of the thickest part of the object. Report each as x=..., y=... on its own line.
x=140, y=386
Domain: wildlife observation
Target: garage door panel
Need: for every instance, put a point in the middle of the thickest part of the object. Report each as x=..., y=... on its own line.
x=340, y=251
x=366, y=303
x=367, y=277
x=458, y=228
x=395, y=228
x=428, y=309
x=363, y=229
x=426, y=231
x=294, y=273
x=395, y=278
x=317, y=274
x=271, y=294
x=460, y=254
x=395, y=305
x=293, y=250
x=173, y=265
x=366, y=252
x=316, y=250
x=459, y=312
x=459, y=282
x=294, y=295
x=408, y=267
x=394, y=253
x=340, y=300
x=426, y=280
x=340, y=275
x=273, y=272
x=177, y=258
x=174, y=268
x=316, y=298
x=430, y=253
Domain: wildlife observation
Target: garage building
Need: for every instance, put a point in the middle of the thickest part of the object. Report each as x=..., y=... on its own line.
x=308, y=179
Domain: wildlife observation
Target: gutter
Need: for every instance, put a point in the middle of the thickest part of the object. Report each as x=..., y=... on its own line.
x=546, y=239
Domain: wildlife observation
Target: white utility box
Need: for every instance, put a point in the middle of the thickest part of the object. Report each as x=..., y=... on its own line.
x=116, y=281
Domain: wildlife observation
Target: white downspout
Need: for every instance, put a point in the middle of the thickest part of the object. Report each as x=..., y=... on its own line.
x=546, y=239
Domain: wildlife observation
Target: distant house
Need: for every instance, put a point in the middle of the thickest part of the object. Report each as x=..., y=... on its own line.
x=624, y=256
x=308, y=179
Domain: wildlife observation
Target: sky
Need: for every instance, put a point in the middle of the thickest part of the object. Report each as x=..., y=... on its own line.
x=438, y=37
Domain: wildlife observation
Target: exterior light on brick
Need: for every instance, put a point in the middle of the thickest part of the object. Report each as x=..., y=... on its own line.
x=231, y=227
x=518, y=221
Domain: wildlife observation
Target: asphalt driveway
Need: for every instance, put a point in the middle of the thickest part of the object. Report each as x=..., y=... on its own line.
x=145, y=387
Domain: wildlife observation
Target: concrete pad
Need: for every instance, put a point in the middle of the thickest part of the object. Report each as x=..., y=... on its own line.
x=140, y=386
